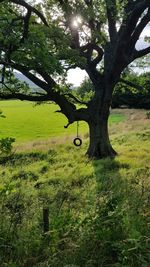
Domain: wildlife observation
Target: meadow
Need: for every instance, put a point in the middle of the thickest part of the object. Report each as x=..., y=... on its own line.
x=98, y=209
x=27, y=121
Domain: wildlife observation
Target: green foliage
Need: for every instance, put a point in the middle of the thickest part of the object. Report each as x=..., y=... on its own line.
x=12, y=84
x=130, y=96
x=6, y=145
x=85, y=90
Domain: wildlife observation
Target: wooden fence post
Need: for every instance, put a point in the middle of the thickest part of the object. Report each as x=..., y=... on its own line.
x=45, y=220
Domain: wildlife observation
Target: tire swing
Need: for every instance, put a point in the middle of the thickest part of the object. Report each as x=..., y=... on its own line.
x=77, y=141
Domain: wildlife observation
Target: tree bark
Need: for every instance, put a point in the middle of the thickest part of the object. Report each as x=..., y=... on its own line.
x=99, y=142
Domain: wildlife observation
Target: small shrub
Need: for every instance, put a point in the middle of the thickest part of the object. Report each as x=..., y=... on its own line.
x=6, y=145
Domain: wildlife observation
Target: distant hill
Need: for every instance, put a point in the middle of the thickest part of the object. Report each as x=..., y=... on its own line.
x=23, y=78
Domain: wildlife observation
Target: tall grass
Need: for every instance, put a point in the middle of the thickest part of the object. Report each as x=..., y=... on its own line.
x=98, y=210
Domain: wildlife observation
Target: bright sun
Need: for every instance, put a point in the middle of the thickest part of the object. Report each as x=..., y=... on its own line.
x=76, y=22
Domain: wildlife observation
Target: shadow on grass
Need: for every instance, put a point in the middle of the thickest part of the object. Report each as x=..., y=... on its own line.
x=105, y=225
x=117, y=232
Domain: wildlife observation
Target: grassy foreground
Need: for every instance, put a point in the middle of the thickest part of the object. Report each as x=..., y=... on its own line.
x=26, y=121
x=98, y=210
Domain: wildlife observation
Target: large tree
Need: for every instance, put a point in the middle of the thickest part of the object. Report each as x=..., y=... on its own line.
x=44, y=40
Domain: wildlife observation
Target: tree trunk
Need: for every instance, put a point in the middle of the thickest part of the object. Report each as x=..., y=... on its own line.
x=99, y=143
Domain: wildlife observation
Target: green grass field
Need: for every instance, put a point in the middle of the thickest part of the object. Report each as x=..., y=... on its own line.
x=26, y=121
x=98, y=210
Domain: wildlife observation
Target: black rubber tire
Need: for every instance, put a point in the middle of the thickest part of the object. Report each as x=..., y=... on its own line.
x=77, y=141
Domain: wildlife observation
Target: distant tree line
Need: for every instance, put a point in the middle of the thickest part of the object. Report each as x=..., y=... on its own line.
x=133, y=91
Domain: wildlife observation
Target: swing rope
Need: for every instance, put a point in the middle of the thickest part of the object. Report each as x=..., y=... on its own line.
x=77, y=141
x=77, y=129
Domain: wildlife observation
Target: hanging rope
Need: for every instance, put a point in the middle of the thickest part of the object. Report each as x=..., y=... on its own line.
x=77, y=128
x=77, y=141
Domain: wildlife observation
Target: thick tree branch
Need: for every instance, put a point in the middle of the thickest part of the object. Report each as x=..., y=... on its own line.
x=75, y=44
x=125, y=51
x=30, y=9
x=111, y=15
x=26, y=25
x=141, y=53
x=88, y=2
x=87, y=51
x=99, y=56
x=67, y=108
x=132, y=12
x=24, y=97
x=76, y=99
x=93, y=24
x=46, y=77
x=27, y=72
x=138, y=30
x=46, y=85
x=69, y=15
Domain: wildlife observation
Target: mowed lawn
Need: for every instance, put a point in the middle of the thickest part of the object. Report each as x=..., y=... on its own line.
x=26, y=121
